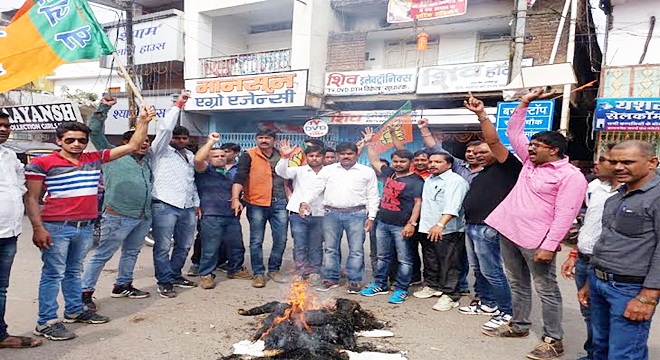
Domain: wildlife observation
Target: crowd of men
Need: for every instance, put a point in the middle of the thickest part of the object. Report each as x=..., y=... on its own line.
x=503, y=214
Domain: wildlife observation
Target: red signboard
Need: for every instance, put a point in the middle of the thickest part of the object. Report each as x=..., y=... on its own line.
x=410, y=10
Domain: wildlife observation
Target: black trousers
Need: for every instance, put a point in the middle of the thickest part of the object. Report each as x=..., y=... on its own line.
x=443, y=263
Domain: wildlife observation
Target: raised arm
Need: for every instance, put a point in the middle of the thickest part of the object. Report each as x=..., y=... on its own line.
x=203, y=153
x=475, y=105
x=427, y=136
x=368, y=134
x=97, y=124
x=282, y=168
x=138, y=137
x=166, y=126
x=515, y=130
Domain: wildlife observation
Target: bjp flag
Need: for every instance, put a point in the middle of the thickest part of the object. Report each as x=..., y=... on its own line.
x=401, y=122
x=47, y=34
x=24, y=9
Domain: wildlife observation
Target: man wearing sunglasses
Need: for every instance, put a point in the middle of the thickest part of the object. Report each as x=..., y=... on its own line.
x=63, y=229
x=533, y=219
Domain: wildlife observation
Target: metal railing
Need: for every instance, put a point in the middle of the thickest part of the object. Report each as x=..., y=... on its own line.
x=247, y=64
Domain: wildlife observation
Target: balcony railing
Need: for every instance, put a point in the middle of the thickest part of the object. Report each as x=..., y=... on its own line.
x=247, y=64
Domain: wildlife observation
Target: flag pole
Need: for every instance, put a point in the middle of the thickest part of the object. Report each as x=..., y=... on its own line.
x=124, y=73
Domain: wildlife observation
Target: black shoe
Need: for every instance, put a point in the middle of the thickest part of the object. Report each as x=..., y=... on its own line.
x=128, y=291
x=354, y=288
x=88, y=303
x=184, y=283
x=166, y=291
x=55, y=332
x=86, y=317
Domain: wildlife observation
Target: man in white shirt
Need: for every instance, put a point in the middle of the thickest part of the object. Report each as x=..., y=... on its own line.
x=12, y=188
x=306, y=228
x=350, y=198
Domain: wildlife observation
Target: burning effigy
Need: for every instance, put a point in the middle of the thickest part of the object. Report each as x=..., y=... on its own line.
x=303, y=328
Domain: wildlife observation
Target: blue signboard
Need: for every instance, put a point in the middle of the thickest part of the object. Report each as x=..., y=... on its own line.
x=628, y=114
x=539, y=118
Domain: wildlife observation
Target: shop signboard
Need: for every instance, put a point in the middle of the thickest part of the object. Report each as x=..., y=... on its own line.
x=411, y=10
x=627, y=114
x=40, y=118
x=371, y=82
x=274, y=90
x=539, y=118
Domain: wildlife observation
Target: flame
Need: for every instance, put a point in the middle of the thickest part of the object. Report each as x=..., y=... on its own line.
x=300, y=300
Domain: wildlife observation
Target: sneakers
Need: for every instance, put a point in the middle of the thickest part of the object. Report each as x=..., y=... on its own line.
x=326, y=285
x=398, y=297
x=258, y=281
x=88, y=303
x=184, y=283
x=222, y=267
x=426, y=293
x=243, y=274
x=86, y=317
x=354, y=288
x=373, y=290
x=55, y=332
x=278, y=277
x=207, y=281
x=193, y=270
x=445, y=303
x=416, y=282
x=166, y=291
x=496, y=321
x=504, y=331
x=477, y=308
x=548, y=349
x=127, y=290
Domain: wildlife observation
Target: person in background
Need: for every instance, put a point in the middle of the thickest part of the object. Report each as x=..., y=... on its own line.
x=12, y=189
x=330, y=156
x=578, y=264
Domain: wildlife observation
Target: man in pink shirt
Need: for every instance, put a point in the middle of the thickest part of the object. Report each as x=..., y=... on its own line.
x=543, y=204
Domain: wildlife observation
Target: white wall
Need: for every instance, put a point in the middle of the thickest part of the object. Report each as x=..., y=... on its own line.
x=630, y=28
x=85, y=76
x=229, y=36
x=268, y=41
x=198, y=37
x=457, y=48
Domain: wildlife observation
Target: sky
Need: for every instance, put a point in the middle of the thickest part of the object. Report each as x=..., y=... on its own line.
x=102, y=13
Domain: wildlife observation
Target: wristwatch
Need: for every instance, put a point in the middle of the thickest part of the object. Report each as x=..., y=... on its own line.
x=440, y=225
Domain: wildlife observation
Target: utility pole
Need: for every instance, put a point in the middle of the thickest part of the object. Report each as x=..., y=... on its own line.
x=518, y=49
x=130, y=64
x=570, y=54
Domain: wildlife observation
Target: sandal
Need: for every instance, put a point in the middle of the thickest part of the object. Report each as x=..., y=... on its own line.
x=26, y=342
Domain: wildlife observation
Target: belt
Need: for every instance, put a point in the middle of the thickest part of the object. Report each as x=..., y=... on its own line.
x=78, y=223
x=585, y=257
x=605, y=276
x=348, y=209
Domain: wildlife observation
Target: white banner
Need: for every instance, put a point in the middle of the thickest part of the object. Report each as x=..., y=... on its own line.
x=486, y=76
x=117, y=121
x=274, y=90
x=372, y=82
x=154, y=41
x=457, y=116
x=41, y=118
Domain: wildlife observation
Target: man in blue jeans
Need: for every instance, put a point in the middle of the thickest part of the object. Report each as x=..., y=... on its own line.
x=218, y=225
x=624, y=286
x=398, y=215
x=12, y=188
x=126, y=217
x=175, y=203
x=63, y=228
x=492, y=184
x=306, y=228
x=350, y=198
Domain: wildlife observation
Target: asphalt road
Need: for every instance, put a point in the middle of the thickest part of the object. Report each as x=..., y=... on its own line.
x=203, y=324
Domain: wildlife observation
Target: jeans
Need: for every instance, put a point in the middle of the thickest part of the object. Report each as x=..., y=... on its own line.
x=520, y=269
x=278, y=217
x=373, y=247
x=443, y=263
x=390, y=242
x=217, y=231
x=116, y=231
x=615, y=337
x=168, y=222
x=334, y=225
x=62, y=265
x=307, y=243
x=7, y=252
x=582, y=269
x=483, y=249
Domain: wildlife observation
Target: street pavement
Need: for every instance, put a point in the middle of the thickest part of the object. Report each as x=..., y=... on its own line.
x=203, y=324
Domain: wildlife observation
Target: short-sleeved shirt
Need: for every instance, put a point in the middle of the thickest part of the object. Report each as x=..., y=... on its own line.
x=443, y=194
x=214, y=189
x=71, y=189
x=489, y=188
x=398, y=199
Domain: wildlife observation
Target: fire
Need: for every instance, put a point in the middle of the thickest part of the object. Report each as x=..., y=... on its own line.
x=300, y=301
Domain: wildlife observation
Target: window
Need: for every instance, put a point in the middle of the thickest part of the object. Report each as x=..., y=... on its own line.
x=494, y=46
x=404, y=54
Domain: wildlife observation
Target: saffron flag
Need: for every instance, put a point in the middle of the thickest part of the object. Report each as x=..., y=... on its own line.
x=50, y=33
x=401, y=122
x=25, y=8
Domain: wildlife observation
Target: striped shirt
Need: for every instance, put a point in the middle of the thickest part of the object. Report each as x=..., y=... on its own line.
x=71, y=189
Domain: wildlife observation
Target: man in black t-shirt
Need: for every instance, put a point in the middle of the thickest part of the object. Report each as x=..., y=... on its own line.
x=398, y=214
x=500, y=173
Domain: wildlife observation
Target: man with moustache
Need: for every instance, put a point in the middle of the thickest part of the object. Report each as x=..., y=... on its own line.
x=306, y=228
x=624, y=284
x=533, y=219
x=126, y=217
x=264, y=192
x=63, y=228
